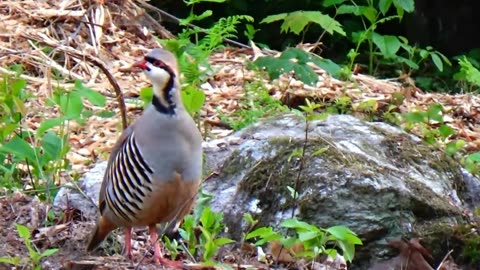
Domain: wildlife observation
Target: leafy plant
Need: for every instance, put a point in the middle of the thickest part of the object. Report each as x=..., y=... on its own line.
x=296, y=61
x=209, y=226
x=34, y=256
x=468, y=72
x=298, y=21
x=193, y=56
x=425, y=120
x=316, y=241
x=385, y=48
x=42, y=153
x=471, y=250
x=256, y=103
x=12, y=112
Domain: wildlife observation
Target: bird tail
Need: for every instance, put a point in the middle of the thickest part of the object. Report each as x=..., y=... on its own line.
x=104, y=227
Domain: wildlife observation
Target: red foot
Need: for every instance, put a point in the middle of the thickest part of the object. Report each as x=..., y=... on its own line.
x=157, y=256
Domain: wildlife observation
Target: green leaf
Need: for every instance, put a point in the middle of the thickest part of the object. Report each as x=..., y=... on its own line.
x=71, y=104
x=328, y=65
x=400, y=11
x=406, y=5
x=437, y=61
x=260, y=232
x=453, y=147
x=296, y=22
x=278, y=66
x=468, y=72
x=23, y=231
x=91, y=95
x=388, y=45
x=320, y=151
x=266, y=234
x=105, y=114
x=20, y=148
x=20, y=105
x=305, y=74
x=223, y=241
x=406, y=61
x=474, y=157
x=17, y=86
x=207, y=218
x=328, y=3
x=384, y=6
x=329, y=24
x=423, y=53
x=340, y=232
x=49, y=124
x=52, y=145
x=301, y=56
x=193, y=99
x=309, y=235
x=294, y=223
x=206, y=234
x=248, y=218
x=49, y=252
x=370, y=13
x=415, y=117
x=435, y=113
x=292, y=192
x=193, y=17
x=348, y=9
x=348, y=250
x=7, y=129
x=10, y=260
x=274, y=18
x=274, y=66
x=331, y=252
x=446, y=131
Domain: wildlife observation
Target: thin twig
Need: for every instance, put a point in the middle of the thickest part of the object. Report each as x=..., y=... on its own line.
x=116, y=87
x=444, y=259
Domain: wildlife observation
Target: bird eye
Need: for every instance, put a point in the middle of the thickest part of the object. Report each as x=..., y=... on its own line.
x=159, y=64
x=155, y=62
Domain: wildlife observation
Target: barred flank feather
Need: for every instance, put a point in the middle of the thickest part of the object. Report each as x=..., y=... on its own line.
x=128, y=181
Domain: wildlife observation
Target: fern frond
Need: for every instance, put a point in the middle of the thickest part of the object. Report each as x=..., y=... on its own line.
x=224, y=28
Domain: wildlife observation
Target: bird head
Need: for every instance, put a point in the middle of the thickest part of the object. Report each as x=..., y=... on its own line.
x=160, y=66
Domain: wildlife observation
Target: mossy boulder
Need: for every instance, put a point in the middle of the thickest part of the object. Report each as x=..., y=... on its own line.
x=372, y=177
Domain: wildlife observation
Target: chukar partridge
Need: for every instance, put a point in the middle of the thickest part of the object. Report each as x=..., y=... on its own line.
x=155, y=167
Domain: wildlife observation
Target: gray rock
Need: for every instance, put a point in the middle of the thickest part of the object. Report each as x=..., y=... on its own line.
x=86, y=198
x=372, y=177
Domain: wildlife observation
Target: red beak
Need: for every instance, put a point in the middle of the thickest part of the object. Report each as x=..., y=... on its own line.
x=141, y=64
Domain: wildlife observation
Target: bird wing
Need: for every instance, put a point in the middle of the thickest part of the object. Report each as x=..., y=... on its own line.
x=118, y=145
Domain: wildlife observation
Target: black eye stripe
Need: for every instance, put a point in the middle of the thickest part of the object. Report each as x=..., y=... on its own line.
x=160, y=64
x=155, y=62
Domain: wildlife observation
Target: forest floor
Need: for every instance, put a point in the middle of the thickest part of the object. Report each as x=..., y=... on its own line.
x=45, y=36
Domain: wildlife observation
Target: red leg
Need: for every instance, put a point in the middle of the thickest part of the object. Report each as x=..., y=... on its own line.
x=157, y=256
x=128, y=242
